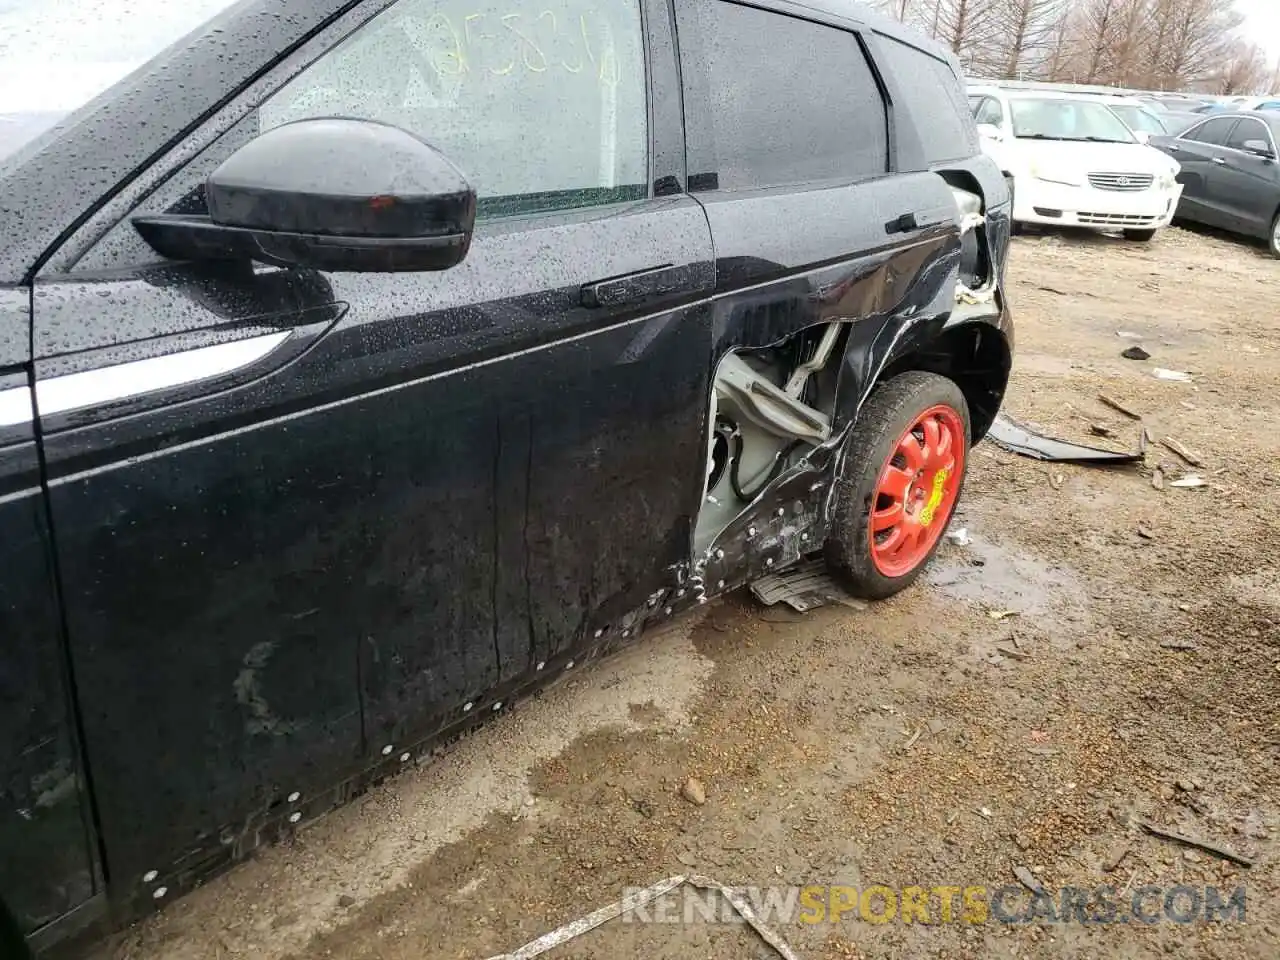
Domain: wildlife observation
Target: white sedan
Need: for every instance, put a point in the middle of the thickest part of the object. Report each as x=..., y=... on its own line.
x=1072, y=162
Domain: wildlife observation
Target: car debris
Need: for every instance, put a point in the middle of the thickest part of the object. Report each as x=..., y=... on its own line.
x=804, y=587
x=1010, y=435
x=1118, y=407
x=1179, y=376
x=1191, y=458
x=960, y=537
x=1135, y=353
x=633, y=901
x=1129, y=335
x=1205, y=845
x=1190, y=480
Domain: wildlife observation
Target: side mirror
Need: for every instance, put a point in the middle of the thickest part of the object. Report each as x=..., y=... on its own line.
x=1259, y=148
x=989, y=131
x=330, y=194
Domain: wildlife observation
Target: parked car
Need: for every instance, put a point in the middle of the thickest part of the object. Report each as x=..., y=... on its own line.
x=1071, y=161
x=367, y=365
x=1231, y=173
x=1141, y=120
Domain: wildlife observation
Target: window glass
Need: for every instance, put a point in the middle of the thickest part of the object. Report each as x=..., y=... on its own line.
x=1211, y=131
x=543, y=107
x=1139, y=118
x=1247, y=129
x=774, y=100
x=1057, y=119
x=946, y=126
x=989, y=112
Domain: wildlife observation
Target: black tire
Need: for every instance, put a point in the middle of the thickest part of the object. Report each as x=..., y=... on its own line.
x=890, y=411
x=1140, y=236
x=1273, y=238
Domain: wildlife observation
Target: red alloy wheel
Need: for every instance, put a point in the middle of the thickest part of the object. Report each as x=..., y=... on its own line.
x=917, y=491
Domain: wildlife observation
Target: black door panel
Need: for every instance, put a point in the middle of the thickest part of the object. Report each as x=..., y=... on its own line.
x=46, y=869
x=453, y=480
x=842, y=247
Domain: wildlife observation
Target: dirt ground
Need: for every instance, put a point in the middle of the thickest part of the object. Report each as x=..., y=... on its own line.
x=932, y=740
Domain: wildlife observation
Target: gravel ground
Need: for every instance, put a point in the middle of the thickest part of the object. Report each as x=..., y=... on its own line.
x=1103, y=653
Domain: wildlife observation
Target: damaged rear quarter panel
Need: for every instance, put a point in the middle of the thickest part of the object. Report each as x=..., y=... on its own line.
x=789, y=261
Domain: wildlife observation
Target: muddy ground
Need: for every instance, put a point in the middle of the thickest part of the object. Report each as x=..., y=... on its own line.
x=923, y=741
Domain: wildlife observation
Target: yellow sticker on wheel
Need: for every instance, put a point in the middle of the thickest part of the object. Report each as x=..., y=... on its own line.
x=935, y=497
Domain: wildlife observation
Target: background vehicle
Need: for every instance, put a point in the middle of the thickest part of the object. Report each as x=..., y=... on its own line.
x=320, y=442
x=1141, y=120
x=1072, y=162
x=1231, y=173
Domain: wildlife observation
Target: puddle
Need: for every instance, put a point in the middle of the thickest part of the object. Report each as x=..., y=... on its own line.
x=995, y=577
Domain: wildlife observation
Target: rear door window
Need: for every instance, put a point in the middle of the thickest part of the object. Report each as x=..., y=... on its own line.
x=935, y=98
x=1246, y=130
x=1213, y=131
x=774, y=100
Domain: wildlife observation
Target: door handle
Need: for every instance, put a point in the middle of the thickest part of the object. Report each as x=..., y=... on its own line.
x=630, y=287
x=1219, y=161
x=903, y=224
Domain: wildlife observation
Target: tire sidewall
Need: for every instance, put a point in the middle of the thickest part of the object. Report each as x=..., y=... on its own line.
x=871, y=446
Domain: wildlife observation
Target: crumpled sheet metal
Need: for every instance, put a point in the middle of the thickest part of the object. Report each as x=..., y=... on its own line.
x=576, y=928
x=1016, y=438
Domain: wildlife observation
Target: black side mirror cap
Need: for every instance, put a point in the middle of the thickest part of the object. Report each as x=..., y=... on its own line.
x=332, y=194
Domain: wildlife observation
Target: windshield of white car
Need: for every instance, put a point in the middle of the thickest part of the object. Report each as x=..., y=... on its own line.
x=57, y=55
x=1066, y=120
x=1136, y=118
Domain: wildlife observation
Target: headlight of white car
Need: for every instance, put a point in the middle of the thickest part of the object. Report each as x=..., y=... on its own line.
x=1056, y=173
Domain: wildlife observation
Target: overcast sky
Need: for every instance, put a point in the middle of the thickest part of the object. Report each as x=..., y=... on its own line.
x=1262, y=23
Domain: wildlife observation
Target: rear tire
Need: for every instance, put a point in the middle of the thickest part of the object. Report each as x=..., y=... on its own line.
x=1140, y=236
x=908, y=503
x=1273, y=240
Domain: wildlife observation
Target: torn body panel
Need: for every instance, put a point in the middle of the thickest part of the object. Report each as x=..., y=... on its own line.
x=784, y=409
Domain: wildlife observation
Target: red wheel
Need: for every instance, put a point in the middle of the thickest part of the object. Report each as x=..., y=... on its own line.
x=917, y=491
x=900, y=484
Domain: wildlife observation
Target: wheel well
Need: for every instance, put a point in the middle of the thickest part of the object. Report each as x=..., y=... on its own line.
x=977, y=357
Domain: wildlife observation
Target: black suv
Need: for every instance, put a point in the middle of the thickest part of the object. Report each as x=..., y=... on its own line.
x=365, y=364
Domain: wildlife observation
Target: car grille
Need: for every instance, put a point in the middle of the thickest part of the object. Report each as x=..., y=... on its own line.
x=1126, y=182
x=1116, y=220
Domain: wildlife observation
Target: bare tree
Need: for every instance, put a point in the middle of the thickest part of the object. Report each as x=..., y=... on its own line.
x=1150, y=44
x=1023, y=32
x=1244, y=69
x=1098, y=26
x=964, y=26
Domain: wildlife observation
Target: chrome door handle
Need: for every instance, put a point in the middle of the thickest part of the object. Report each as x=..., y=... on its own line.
x=1220, y=161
